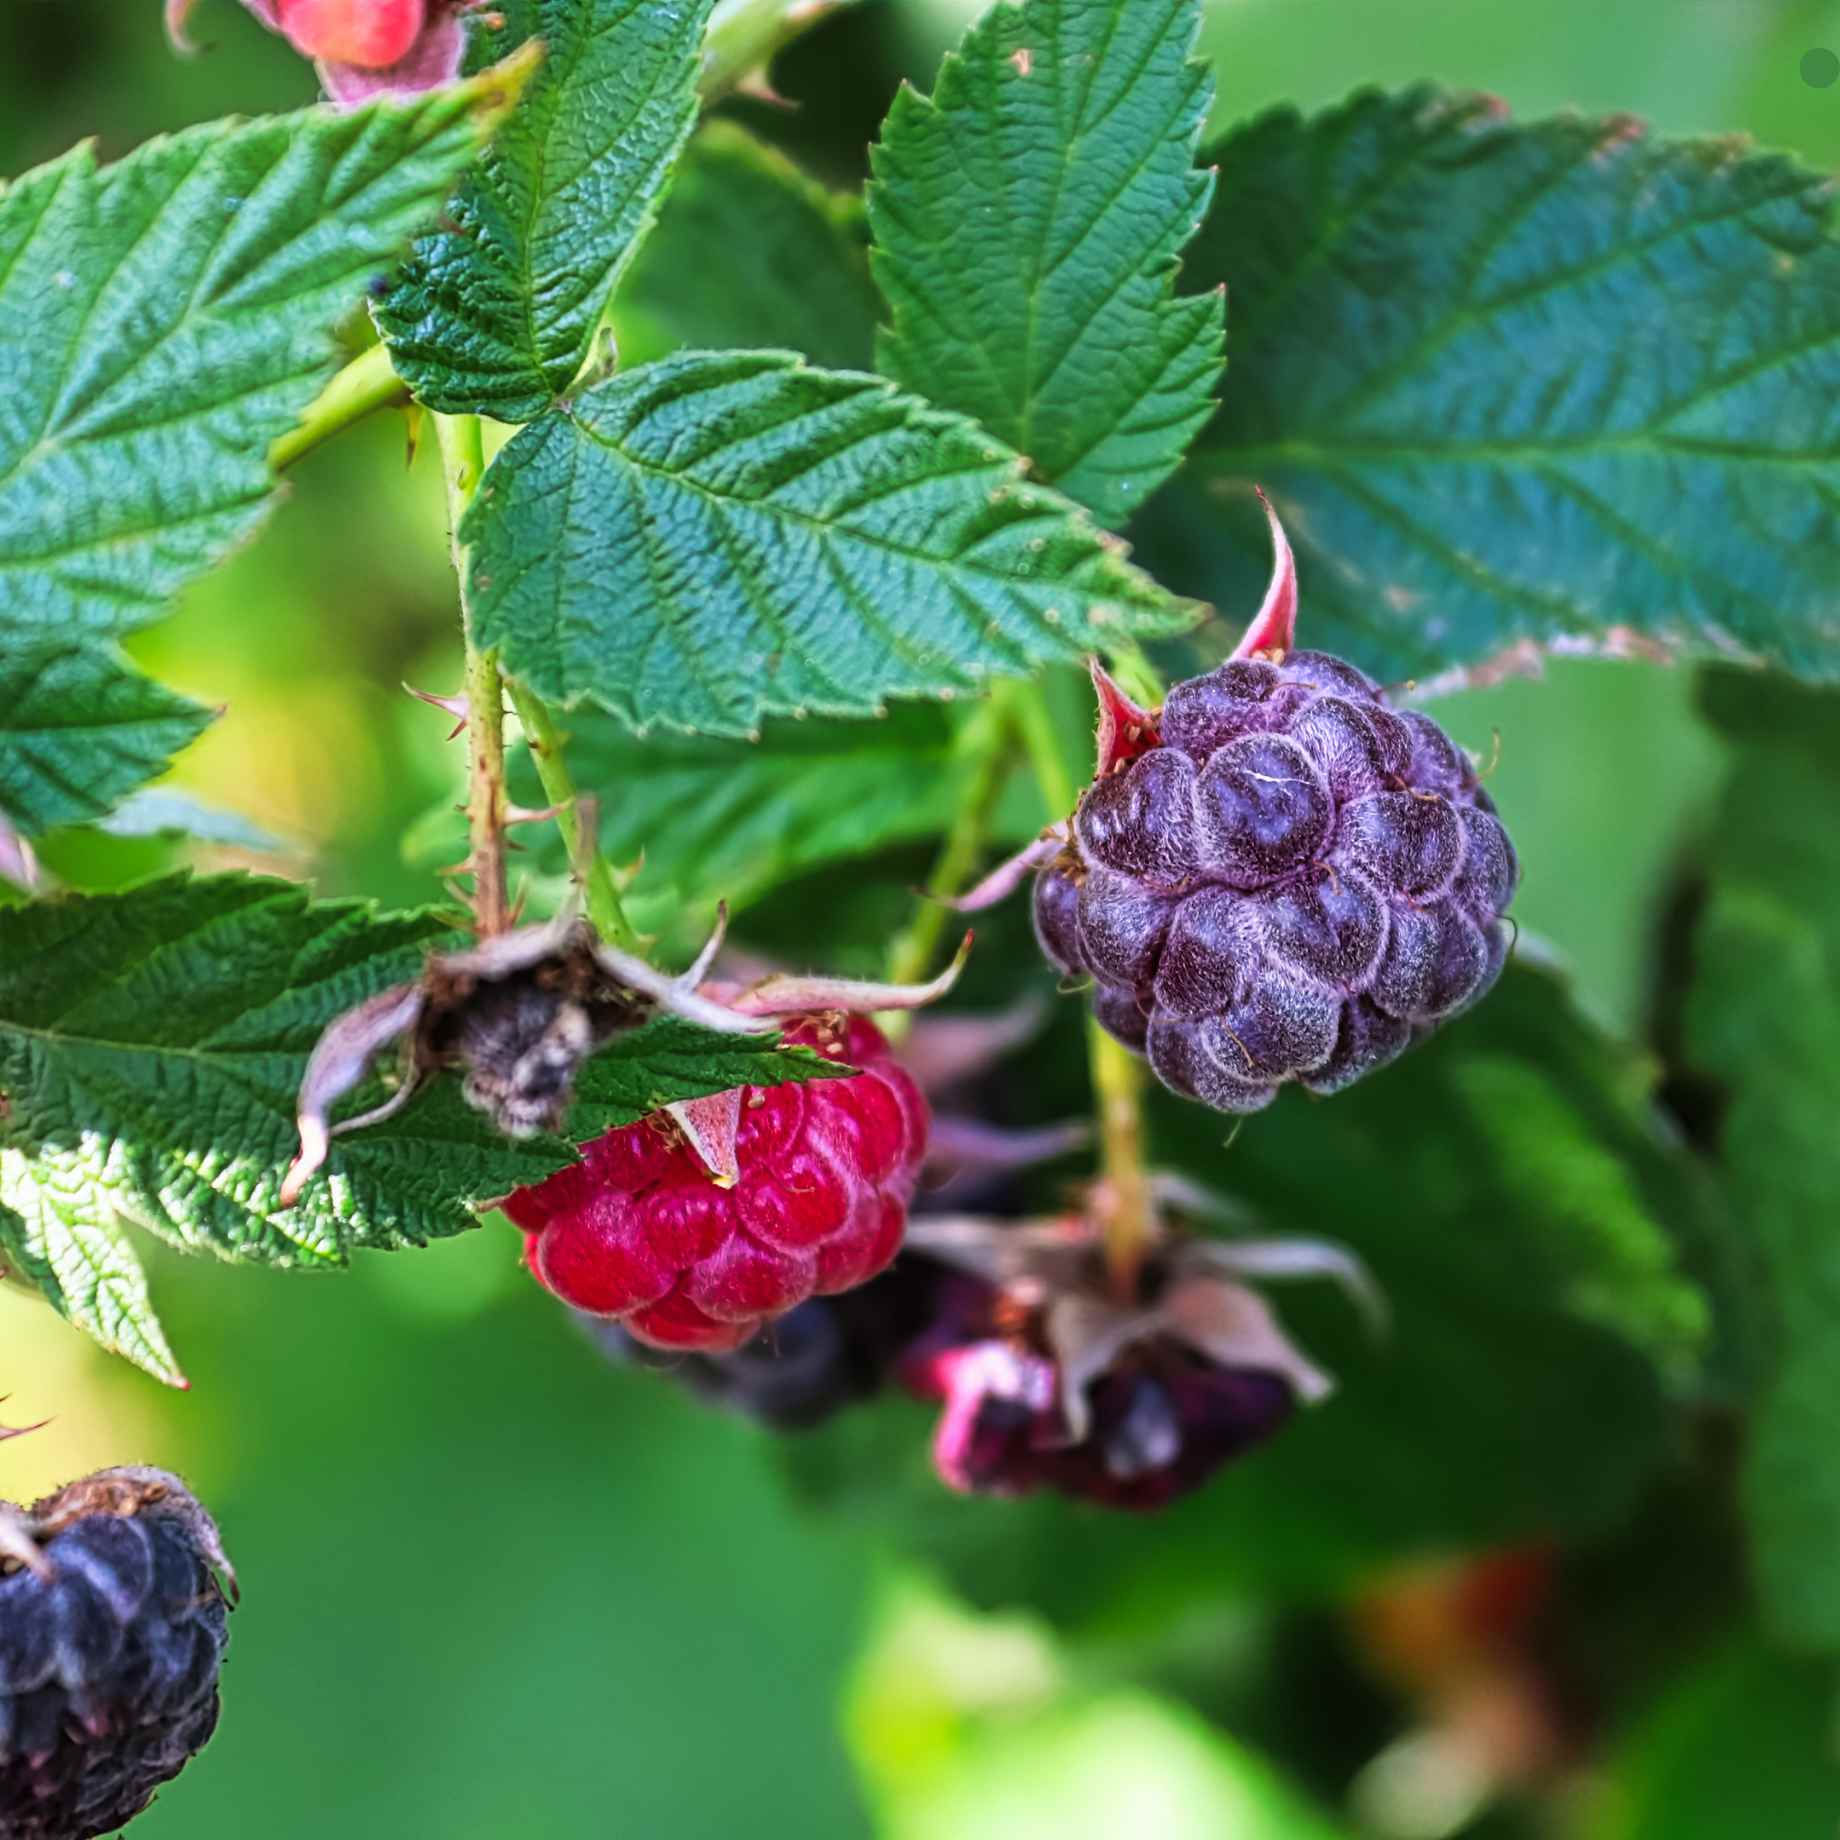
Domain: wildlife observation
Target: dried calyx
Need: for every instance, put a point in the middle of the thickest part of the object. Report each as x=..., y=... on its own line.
x=517, y=1015
x=124, y=1494
x=1050, y=1380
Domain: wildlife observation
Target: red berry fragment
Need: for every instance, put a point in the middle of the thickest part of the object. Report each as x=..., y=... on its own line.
x=639, y=1232
x=112, y=1631
x=371, y=34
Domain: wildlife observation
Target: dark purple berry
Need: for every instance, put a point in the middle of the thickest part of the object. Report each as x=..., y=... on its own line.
x=1293, y=882
x=1205, y=713
x=802, y=1369
x=1262, y=811
x=1121, y=1015
x=1057, y=921
x=1162, y=1424
x=1122, y=926
x=112, y=1632
x=1141, y=821
x=1214, y=954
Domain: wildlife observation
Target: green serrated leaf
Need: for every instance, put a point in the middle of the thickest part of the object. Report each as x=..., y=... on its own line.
x=87, y=1271
x=1763, y=1023
x=718, y=537
x=1507, y=382
x=79, y=726
x=496, y=311
x=151, y=1048
x=748, y=254
x=181, y=304
x=1028, y=219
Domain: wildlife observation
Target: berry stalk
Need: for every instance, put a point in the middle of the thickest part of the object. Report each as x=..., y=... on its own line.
x=462, y=445
x=599, y=893
x=366, y=384
x=746, y=35
x=986, y=741
x=1125, y=1209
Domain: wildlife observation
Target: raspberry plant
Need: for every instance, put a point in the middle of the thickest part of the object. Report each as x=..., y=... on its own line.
x=795, y=532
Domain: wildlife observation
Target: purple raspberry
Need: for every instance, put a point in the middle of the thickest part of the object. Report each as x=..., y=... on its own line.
x=1275, y=876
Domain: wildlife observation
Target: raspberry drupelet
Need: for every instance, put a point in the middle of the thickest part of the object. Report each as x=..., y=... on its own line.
x=641, y=1232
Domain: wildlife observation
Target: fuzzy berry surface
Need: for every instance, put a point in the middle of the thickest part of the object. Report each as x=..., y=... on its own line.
x=639, y=1232
x=108, y=1673
x=1295, y=883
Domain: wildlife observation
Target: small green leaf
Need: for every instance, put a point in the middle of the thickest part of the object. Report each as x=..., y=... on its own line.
x=497, y=310
x=1028, y=219
x=748, y=254
x=669, y=1059
x=79, y=726
x=87, y=1271
x=181, y=304
x=718, y=537
x=1507, y=382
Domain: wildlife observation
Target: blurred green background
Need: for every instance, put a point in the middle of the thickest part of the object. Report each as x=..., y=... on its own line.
x=493, y=1589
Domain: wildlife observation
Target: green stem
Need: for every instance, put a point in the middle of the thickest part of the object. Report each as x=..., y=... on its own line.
x=745, y=36
x=365, y=384
x=462, y=442
x=985, y=741
x=1127, y=1218
x=599, y=891
x=1028, y=711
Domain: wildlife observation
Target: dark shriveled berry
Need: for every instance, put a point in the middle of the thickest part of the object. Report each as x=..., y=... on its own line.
x=112, y=1632
x=823, y=1355
x=1294, y=882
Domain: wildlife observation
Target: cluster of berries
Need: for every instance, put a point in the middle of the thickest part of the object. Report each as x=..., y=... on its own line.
x=1273, y=877
x=112, y=1632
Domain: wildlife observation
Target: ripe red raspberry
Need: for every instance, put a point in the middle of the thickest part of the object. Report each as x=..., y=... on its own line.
x=639, y=1231
x=1276, y=876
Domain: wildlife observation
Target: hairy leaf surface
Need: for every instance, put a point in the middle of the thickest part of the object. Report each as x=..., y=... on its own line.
x=181, y=304
x=151, y=1049
x=1507, y=381
x=1028, y=218
x=722, y=536
x=79, y=726
x=497, y=309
